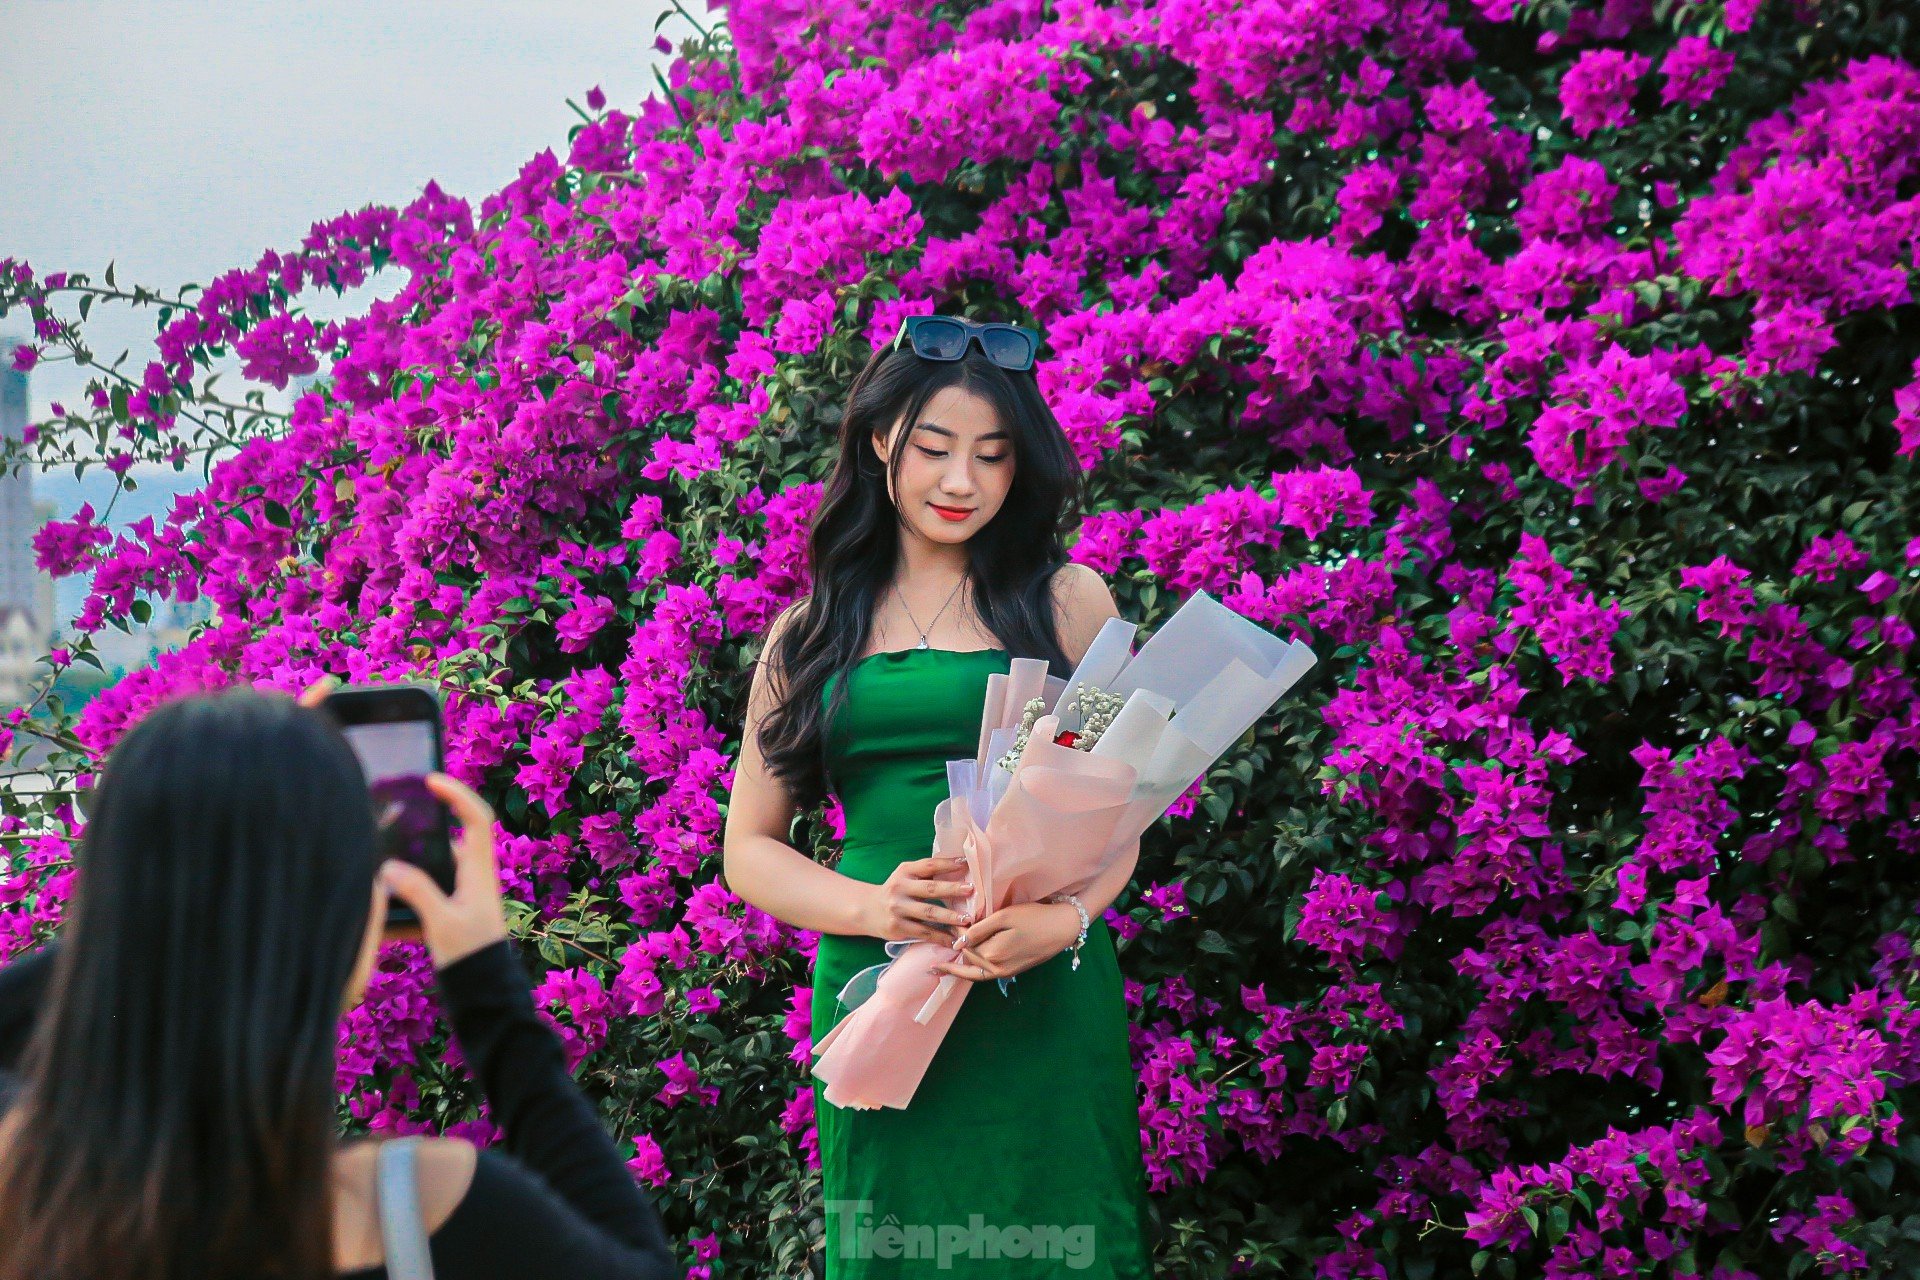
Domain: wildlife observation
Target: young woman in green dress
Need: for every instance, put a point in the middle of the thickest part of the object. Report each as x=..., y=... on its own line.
x=938, y=554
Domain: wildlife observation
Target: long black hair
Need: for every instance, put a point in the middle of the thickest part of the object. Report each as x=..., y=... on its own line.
x=854, y=540
x=177, y=1109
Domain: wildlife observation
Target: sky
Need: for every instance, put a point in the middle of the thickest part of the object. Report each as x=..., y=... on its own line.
x=179, y=140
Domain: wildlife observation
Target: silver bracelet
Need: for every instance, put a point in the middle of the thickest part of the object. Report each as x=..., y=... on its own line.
x=1082, y=939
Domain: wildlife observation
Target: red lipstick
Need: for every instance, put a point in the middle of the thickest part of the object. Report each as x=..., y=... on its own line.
x=955, y=514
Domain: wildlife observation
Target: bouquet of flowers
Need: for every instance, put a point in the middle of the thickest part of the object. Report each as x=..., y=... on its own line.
x=1069, y=775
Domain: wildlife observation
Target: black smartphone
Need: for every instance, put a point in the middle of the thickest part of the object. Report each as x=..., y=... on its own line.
x=395, y=729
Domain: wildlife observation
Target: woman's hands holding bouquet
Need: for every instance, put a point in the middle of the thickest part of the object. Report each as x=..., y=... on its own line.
x=1013, y=940
x=907, y=907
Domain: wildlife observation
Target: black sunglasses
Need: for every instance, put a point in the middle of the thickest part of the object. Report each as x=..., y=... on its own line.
x=946, y=337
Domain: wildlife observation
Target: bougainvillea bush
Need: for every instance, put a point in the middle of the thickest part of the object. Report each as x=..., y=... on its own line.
x=1550, y=368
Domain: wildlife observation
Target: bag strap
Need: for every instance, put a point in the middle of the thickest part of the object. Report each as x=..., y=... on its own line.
x=402, y=1230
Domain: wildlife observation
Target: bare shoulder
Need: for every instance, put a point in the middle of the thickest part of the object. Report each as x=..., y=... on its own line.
x=446, y=1174
x=787, y=617
x=767, y=662
x=784, y=619
x=446, y=1169
x=1082, y=604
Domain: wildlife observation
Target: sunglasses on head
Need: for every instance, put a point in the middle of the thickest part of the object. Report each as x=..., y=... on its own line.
x=946, y=337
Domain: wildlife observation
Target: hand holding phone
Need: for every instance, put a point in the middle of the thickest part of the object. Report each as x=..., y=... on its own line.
x=457, y=925
x=444, y=892
x=395, y=732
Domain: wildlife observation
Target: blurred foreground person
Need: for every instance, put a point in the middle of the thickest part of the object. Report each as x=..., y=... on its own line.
x=170, y=1110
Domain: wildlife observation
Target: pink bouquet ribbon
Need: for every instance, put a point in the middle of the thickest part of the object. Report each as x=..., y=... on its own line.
x=1062, y=815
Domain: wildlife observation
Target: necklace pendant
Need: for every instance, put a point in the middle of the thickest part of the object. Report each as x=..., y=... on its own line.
x=922, y=644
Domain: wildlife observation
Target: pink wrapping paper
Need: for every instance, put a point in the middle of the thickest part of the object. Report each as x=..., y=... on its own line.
x=1062, y=815
x=1057, y=827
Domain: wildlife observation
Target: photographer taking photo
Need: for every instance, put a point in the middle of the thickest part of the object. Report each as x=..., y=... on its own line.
x=174, y=1110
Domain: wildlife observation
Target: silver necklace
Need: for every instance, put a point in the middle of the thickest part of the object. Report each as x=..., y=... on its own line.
x=936, y=617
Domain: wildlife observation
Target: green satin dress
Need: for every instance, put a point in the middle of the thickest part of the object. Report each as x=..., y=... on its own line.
x=1019, y=1155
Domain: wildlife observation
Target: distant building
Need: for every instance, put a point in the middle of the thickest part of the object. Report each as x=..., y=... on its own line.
x=44, y=607
x=26, y=593
x=18, y=520
x=23, y=644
